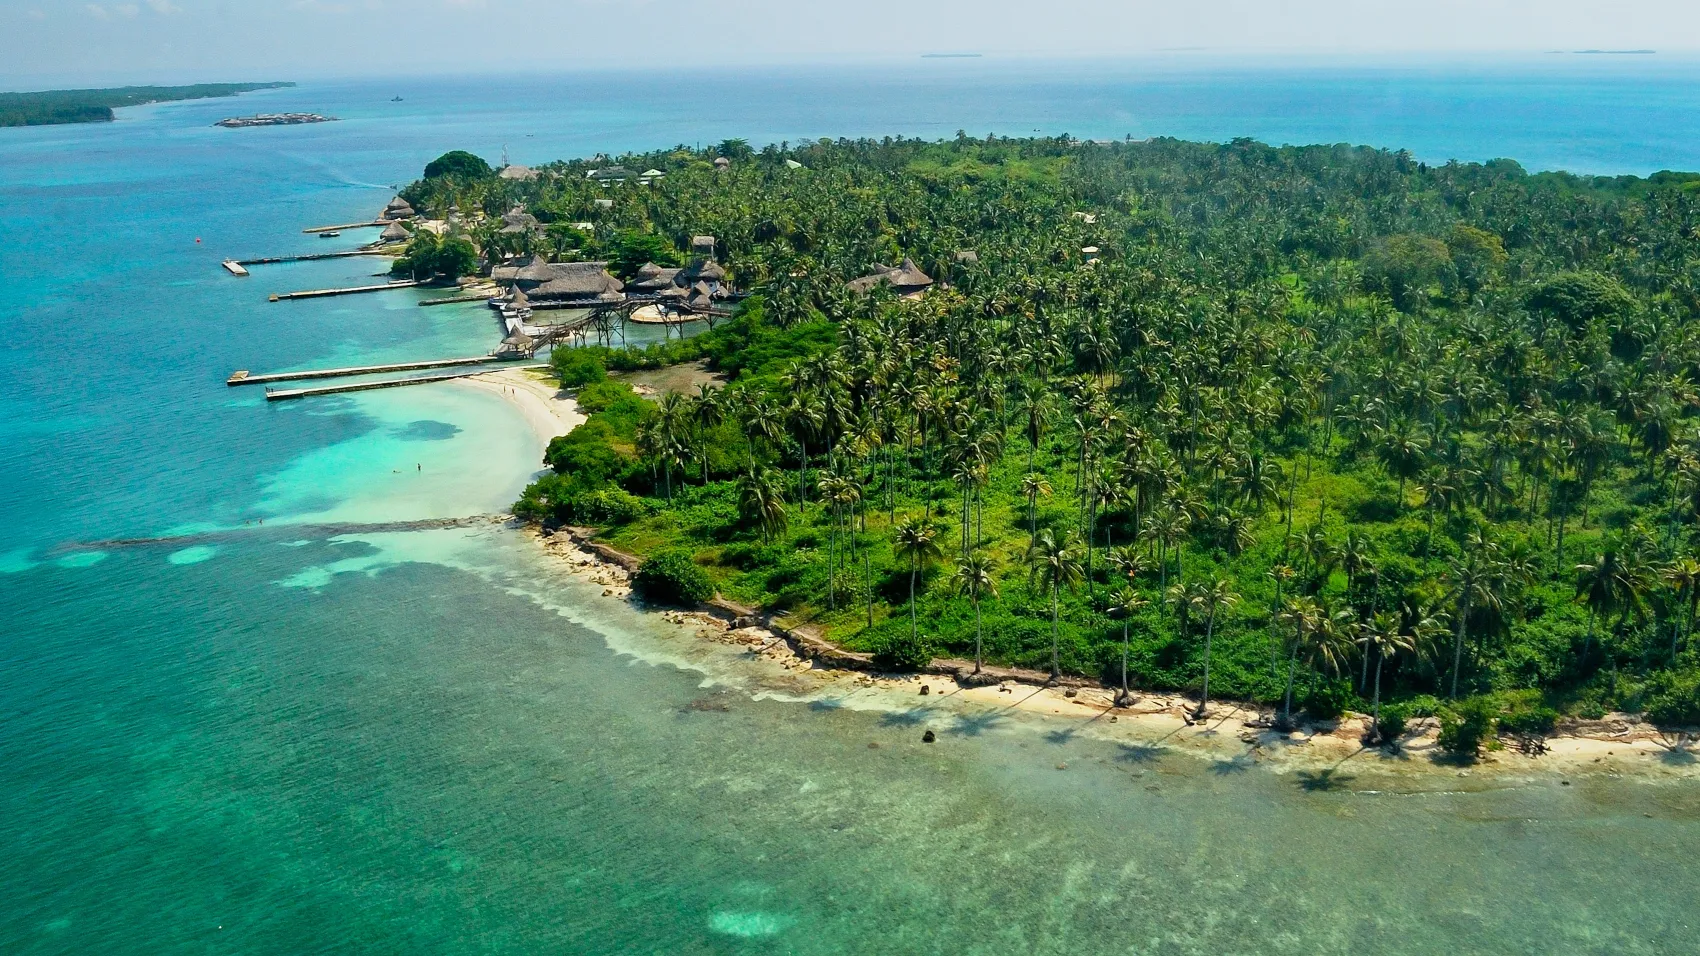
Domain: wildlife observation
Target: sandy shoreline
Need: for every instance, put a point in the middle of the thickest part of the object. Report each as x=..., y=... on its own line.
x=1618, y=746
x=1234, y=733
x=549, y=411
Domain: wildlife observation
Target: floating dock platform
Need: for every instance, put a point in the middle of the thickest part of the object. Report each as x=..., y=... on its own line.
x=236, y=268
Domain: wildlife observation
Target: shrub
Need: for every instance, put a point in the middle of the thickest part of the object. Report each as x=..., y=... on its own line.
x=608, y=506
x=1675, y=700
x=899, y=651
x=577, y=368
x=1327, y=701
x=1394, y=721
x=1534, y=722
x=671, y=577
x=1464, y=728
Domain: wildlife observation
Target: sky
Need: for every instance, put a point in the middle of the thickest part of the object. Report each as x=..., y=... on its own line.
x=73, y=42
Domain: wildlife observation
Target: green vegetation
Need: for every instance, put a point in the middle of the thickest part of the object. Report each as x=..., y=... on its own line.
x=429, y=256
x=671, y=578
x=54, y=107
x=459, y=164
x=1318, y=427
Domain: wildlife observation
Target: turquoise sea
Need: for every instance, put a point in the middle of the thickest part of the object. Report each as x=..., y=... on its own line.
x=250, y=702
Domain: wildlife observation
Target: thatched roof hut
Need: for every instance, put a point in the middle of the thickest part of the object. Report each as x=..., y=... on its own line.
x=579, y=282
x=398, y=208
x=519, y=222
x=517, y=172
x=651, y=278
x=395, y=232
x=905, y=279
x=702, y=246
x=534, y=273
x=721, y=162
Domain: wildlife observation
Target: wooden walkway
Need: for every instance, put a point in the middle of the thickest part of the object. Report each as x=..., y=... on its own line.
x=242, y=376
x=322, y=293
x=353, y=225
x=285, y=394
x=313, y=257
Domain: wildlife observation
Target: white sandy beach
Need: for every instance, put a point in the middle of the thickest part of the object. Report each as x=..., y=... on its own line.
x=549, y=411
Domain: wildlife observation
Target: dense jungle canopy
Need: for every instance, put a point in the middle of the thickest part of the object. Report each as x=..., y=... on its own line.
x=1318, y=426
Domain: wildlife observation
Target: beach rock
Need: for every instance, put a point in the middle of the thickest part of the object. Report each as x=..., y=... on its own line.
x=926, y=689
x=1071, y=692
x=928, y=737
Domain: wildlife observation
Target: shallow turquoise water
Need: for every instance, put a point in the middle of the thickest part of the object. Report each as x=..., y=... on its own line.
x=313, y=735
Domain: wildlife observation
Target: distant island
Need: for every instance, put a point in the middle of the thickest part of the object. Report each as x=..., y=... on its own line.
x=55, y=107
x=274, y=119
x=950, y=56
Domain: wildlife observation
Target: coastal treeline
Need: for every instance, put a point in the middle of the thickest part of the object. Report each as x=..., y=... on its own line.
x=54, y=107
x=1322, y=427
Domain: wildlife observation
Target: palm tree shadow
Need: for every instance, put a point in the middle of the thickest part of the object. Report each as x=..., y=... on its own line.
x=1138, y=753
x=1323, y=781
x=908, y=718
x=1061, y=735
x=1239, y=764
x=973, y=725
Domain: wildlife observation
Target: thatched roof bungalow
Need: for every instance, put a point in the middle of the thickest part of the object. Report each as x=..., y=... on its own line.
x=395, y=232
x=586, y=283
x=905, y=279
x=398, y=208
x=519, y=222
x=517, y=172
x=652, y=279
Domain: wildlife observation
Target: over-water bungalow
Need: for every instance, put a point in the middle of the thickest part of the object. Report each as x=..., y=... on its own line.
x=577, y=284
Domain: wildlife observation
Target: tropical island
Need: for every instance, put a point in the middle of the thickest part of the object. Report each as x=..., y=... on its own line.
x=55, y=107
x=273, y=119
x=1317, y=428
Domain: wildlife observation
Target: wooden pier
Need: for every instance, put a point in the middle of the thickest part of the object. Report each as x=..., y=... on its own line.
x=479, y=297
x=235, y=267
x=324, y=293
x=243, y=377
x=353, y=225
x=285, y=394
x=312, y=257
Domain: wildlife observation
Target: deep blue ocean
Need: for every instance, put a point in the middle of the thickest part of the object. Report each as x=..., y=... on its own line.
x=290, y=726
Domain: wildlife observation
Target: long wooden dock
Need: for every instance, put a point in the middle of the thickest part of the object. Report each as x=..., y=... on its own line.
x=323, y=293
x=285, y=394
x=353, y=225
x=478, y=297
x=314, y=257
x=242, y=376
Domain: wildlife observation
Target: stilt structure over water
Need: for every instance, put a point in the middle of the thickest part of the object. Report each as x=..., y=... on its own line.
x=243, y=377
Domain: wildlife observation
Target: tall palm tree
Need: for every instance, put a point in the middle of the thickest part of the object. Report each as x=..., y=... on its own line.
x=1052, y=566
x=1382, y=638
x=1683, y=576
x=1126, y=604
x=1212, y=597
x=761, y=501
x=706, y=413
x=1321, y=638
x=913, y=541
x=1615, y=582
x=1033, y=487
x=976, y=578
x=1476, y=582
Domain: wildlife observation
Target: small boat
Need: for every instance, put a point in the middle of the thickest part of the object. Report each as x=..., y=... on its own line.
x=329, y=235
x=395, y=99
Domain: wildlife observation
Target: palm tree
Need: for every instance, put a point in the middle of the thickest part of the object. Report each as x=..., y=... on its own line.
x=1381, y=636
x=1320, y=638
x=1683, y=576
x=1126, y=604
x=913, y=540
x=761, y=501
x=1053, y=565
x=1476, y=582
x=706, y=413
x=1615, y=582
x=976, y=577
x=1211, y=597
x=1034, y=485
